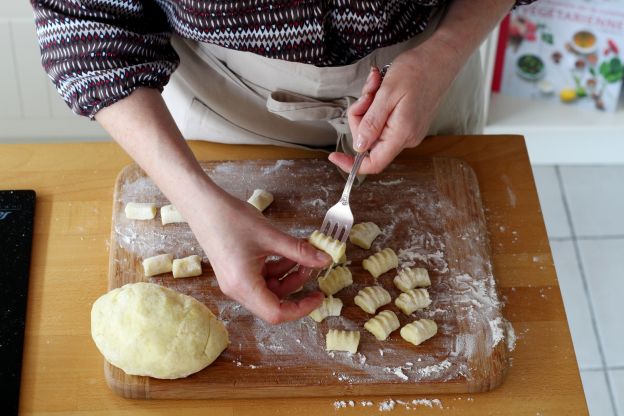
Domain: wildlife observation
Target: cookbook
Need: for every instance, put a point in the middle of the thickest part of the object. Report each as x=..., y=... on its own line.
x=564, y=51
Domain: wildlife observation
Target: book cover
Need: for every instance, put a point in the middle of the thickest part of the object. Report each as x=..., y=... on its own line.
x=565, y=51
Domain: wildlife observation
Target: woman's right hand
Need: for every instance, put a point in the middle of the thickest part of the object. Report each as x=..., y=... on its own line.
x=237, y=239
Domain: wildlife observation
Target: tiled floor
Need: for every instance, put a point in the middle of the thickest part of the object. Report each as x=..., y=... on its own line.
x=583, y=207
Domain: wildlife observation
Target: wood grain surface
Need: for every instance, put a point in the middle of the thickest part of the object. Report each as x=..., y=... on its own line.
x=430, y=212
x=62, y=371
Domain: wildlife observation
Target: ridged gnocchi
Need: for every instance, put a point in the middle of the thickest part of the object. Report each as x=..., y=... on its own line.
x=372, y=297
x=363, y=234
x=419, y=331
x=336, y=249
x=413, y=300
x=335, y=280
x=341, y=340
x=382, y=324
x=330, y=307
x=412, y=277
x=381, y=262
x=261, y=199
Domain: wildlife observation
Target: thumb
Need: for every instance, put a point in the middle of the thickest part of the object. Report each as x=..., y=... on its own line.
x=298, y=250
x=372, y=123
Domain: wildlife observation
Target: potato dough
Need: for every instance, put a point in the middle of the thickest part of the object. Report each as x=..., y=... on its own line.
x=169, y=214
x=382, y=324
x=140, y=211
x=162, y=263
x=419, y=331
x=336, y=249
x=363, y=234
x=261, y=199
x=372, y=297
x=409, y=278
x=187, y=267
x=335, y=280
x=150, y=330
x=413, y=300
x=341, y=340
x=330, y=307
x=381, y=262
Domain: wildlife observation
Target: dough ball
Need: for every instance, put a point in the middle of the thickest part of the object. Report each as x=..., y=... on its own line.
x=149, y=330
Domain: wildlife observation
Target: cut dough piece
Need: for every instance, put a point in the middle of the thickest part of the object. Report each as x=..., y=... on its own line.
x=372, y=297
x=162, y=263
x=169, y=214
x=413, y=300
x=150, y=330
x=336, y=280
x=409, y=278
x=419, y=331
x=341, y=340
x=381, y=262
x=260, y=199
x=140, y=210
x=330, y=307
x=382, y=324
x=336, y=249
x=187, y=267
x=363, y=234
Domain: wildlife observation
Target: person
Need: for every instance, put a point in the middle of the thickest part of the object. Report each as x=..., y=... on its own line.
x=278, y=72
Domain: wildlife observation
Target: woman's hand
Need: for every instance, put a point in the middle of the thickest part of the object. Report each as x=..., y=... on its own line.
x=395, y=114
x=234, y=235
x=237, y=239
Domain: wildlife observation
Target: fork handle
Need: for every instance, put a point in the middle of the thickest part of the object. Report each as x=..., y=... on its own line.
x=354, y=170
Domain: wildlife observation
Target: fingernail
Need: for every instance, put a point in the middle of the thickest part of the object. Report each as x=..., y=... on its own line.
x=322, y=256
x=360, y=142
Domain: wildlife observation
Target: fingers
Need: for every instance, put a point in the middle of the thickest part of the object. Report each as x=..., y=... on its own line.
x=278, y=268
x=343, y=161
x=290, y=283
x=380, y=156
x=295, y=249
x=266, y=304
x=373, y=122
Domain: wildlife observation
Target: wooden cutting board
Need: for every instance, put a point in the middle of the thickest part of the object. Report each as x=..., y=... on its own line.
x=430, y=213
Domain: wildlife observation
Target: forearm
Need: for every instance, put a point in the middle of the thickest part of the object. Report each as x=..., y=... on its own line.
x=464, y=27
x=144, y=128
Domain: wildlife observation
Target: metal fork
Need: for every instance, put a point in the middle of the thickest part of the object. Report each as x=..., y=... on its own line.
x=339, y=218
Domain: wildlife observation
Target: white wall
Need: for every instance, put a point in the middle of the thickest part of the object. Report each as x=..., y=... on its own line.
x=30, y=108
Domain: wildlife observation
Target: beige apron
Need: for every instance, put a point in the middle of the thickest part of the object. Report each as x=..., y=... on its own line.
x=229, y=96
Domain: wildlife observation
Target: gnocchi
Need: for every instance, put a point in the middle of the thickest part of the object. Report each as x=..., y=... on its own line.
x=336, y=249
x=169, y=214
x=187, y=267
x=363, y=234
x=341, y=340
x=261, y=199
x=335, y=280
x=162, y=263
x=381, y=262
x=413, y=300
x=382, y=324
x=409, y=278
x=330, y=307
x=419, y=331
x=140, y=210
x=372, y=297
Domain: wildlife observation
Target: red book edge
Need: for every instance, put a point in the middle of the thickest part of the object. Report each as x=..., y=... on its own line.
x=499, y=61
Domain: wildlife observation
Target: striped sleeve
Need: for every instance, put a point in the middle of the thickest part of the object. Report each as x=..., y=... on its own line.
x=98, y=51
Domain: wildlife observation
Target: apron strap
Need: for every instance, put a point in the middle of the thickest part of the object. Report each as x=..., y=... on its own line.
x=297, y=107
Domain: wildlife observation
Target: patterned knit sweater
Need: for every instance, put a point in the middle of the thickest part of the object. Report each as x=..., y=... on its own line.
x=98, y=51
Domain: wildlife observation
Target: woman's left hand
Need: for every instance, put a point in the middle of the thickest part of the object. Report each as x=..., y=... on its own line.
x=395, y=114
